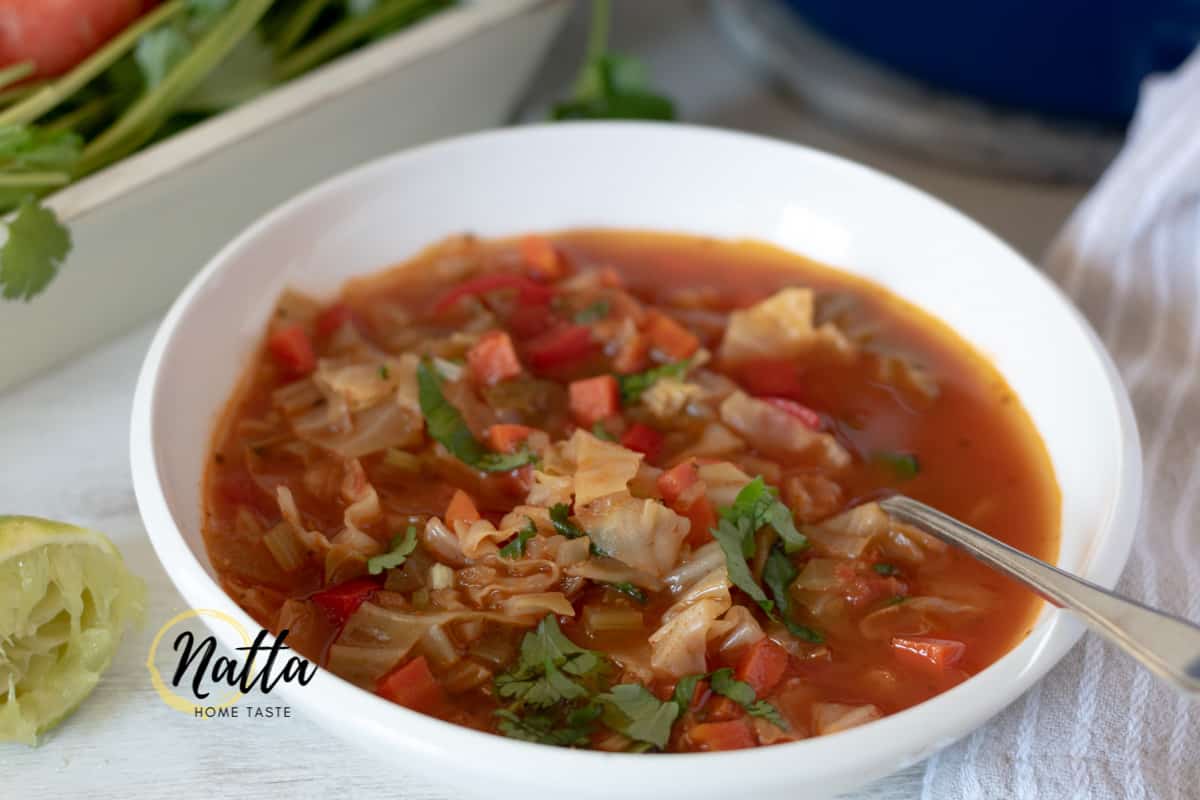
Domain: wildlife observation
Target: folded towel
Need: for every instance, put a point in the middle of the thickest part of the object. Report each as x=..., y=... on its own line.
x=1099, y=726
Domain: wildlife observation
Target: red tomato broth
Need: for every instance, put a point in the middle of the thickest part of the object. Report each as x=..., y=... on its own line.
x=979, y=457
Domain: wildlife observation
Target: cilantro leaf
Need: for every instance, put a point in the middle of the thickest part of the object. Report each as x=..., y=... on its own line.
x=631, y=709
x=31, y=256
x=573, y=730
x=724, y=684
x=626, y=588
x=560, y=514
x=734, y=539
x=27, y=147
x=904, y=466
x=633, y=385
x=593, y=312
x=685, y=690
x=447, y=426
x=158, y=51
x=757, y=503
x=778, y=574
x=401, y=548
x=516, y=546
x=885, y=569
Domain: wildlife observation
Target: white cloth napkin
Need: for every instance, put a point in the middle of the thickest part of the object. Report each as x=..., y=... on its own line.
x=1099, y=726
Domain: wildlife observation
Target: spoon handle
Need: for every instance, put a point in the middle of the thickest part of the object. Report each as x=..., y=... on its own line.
x=1167, y=645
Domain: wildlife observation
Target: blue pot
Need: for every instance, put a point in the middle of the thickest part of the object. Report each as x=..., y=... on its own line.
x=1082, y=59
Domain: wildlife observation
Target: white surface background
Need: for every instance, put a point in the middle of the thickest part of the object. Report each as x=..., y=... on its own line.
x=65, y=456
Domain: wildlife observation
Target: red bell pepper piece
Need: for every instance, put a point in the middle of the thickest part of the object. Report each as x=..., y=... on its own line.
x=332, y=318
x=529, y=292
x=292, y=350
x=412, y=685
x=344, y=599
x=560, y=347
x=644, y=440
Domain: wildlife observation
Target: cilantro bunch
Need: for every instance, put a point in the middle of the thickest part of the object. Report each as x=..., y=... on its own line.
x=179, y=63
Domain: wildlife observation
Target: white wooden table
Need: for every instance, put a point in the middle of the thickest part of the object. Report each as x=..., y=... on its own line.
x=64, y=444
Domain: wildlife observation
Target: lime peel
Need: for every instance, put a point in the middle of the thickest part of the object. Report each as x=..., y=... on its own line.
x=66, y=597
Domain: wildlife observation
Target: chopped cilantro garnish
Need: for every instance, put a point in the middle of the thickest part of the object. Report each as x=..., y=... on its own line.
x=735, y=539
x=447, y=426
x=885, y=569
x=632, y=386
x=778, y=574
x=560, y=516
x=36, y=246
x=904, y=466
x=516, y=546
x=401, y=548
x=757, y=503
x=632, y=710
x=384, y=372
x=626, y=588
x=592, y=313
x=724, y=684
x=601, y=432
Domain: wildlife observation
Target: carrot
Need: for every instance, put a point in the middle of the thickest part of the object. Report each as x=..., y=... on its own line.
x=342, y=600
x=703, y=519
x=461, y=508
x=292, y=350
x=670, y=338
x=633, y=356
x=413, y=686
x=507, y=438
x=730, y=735
x=593, y=399
x=677, y=480
x=810, y=418
x=541, y=257
x=762, y=666
x=560, y=347
x=927, y=653
x=493, y=359
x=644, y=440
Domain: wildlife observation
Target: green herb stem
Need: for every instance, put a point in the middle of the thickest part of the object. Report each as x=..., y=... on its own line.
x=15, y=72
x=80, y=117
x=344, y=34
x=297, y=25
x=597, y=42
x=141, y=119
x=34, y=180
x=59, y=90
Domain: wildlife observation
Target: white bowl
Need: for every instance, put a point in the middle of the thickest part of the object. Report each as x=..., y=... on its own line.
x=660, y=177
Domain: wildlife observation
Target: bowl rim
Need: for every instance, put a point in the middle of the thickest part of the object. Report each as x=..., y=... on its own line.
x=872, y=750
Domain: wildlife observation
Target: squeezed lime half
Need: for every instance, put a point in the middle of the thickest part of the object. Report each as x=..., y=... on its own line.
x=65, y=599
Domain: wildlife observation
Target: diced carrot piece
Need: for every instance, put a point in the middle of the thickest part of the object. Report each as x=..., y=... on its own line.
x=722, y=709
x=292, y=350
x=810, y=418
x=507, y=438
x=644, y=440
x=700, y=696
x=540, y=255
x=927, y=653
x=493, y=359
x=461, y=508
x=593, y=399
x=731, y=735
x=703, y=519
x=344, y=599
x=557, y=348
x=762, y=666
x=413, y=686
x=678, y=479
x=670, y=338
x=332, y=318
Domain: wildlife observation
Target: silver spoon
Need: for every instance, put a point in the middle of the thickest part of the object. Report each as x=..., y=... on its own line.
x=1167, y=645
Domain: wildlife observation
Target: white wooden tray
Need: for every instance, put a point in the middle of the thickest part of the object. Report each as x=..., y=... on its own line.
x=144, y=226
